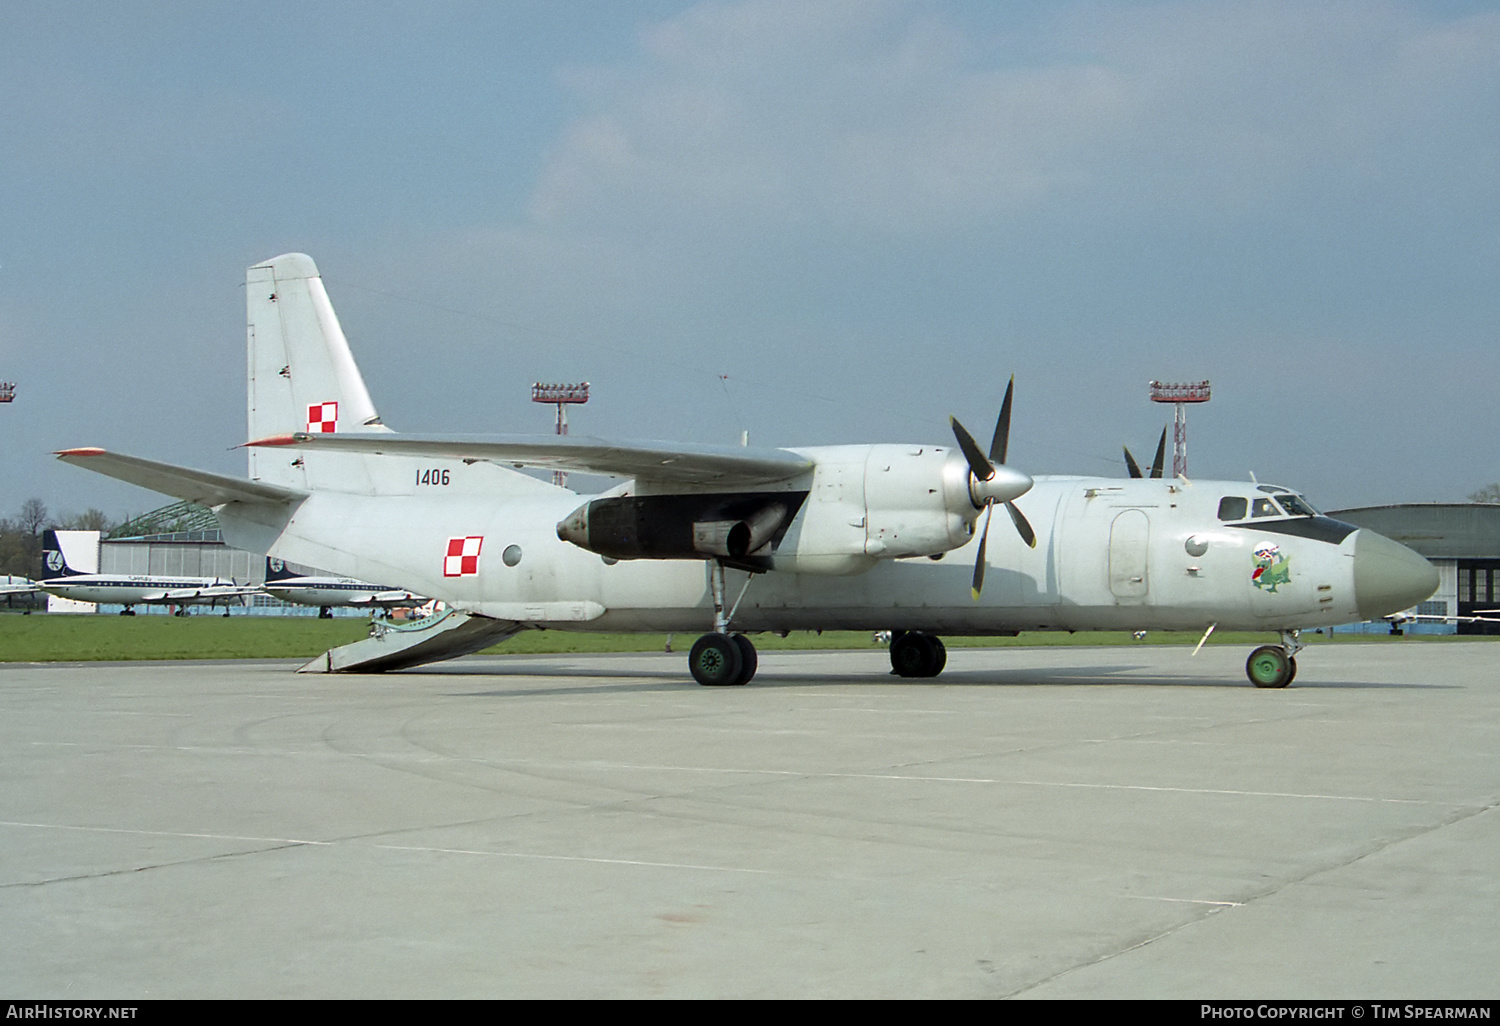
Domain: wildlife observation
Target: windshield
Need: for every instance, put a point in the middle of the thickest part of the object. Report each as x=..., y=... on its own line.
x=1295, y=505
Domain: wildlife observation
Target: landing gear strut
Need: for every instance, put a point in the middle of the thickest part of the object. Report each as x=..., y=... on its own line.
x=721, y=658
x=1275, y=666
x=915, y=654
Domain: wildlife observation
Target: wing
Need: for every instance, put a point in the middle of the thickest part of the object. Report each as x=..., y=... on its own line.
x=208, y=592
x=180, y=482
x=667, y=462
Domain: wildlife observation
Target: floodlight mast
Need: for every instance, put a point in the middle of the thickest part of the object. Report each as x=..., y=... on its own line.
x=1179, y=395
x=562, y=396
x=7, y=391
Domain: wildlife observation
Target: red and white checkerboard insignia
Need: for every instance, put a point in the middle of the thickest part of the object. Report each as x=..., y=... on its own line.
x=322, y=418
x=463, y=556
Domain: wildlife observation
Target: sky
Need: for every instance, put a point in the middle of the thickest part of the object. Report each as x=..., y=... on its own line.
x=818, y=222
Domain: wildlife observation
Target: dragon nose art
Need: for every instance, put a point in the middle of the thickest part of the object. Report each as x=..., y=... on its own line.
x=1388, y=576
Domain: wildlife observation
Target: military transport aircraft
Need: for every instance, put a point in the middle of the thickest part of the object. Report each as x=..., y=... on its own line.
x=732, y=540
x=131, y=590
x=326, y=591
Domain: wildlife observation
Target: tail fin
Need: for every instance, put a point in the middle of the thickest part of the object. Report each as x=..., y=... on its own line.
x=302, y=377
x=55, y=551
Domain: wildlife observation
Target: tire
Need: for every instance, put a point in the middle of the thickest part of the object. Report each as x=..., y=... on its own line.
x=715, y=660
x=914, y=654
x=749, y=661
x=1270, y=667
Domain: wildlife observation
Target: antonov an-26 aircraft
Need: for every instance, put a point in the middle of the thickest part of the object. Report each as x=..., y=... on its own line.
x=732, y=541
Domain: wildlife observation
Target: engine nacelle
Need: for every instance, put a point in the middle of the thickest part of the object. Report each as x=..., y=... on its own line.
x=733, y=527
x=866, y=503
x=874, y=502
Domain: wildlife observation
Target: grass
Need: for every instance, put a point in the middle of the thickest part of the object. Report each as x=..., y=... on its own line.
x=83, y=638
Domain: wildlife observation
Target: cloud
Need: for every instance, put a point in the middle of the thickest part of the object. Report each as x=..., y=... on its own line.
x=896, y=116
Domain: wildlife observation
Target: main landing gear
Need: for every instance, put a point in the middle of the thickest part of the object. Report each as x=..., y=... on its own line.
x=721, y=658
x=915, y=654
x=718, y=659
x=1275, y=666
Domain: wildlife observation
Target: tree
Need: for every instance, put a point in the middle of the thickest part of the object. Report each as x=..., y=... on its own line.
x=89, y=520
x=1489, y=493
x=33, y=519
x=33, y=516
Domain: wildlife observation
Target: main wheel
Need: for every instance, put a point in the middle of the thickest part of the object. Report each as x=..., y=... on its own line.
x=939, y=656
x=749, y=661
x=914, y=654
x=1270, y=667
x=716, y=660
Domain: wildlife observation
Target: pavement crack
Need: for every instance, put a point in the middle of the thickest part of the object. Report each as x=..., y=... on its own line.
x=106, y=873
x=1250, y=901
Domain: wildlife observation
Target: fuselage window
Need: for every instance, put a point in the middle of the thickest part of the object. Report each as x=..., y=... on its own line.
x=1265, y=508
x=1232, y=507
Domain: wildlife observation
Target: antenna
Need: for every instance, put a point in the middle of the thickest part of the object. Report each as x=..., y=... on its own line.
x=563, y=396
x=1179, y=395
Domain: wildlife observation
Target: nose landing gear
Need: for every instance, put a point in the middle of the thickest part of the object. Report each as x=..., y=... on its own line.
x=1275, y=666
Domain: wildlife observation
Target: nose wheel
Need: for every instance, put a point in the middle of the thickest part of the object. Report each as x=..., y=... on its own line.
x=1275, y=666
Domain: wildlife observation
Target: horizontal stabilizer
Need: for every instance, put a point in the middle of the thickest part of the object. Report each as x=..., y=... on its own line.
x=653, y=461
x=198, y=486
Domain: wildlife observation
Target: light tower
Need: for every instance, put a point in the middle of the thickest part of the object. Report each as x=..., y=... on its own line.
x=7, y=391
x=1179, y=395
x=563, y=396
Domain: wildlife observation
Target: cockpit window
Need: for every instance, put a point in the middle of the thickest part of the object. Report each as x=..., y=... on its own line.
x=1295, y=505
x=1232, y=507
x=1265, y=508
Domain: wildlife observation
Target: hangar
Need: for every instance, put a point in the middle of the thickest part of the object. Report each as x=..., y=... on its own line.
x=1461, y=539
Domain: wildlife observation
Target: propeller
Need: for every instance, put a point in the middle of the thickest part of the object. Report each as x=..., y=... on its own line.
x=993, y=482
x=1156, y=465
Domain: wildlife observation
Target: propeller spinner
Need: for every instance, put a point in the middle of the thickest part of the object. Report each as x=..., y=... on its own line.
x=993, y=482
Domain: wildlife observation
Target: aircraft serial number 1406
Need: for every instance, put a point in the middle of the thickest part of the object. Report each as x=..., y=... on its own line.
x=734, y=540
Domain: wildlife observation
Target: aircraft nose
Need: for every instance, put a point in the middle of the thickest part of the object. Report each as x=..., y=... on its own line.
x=1388, y=576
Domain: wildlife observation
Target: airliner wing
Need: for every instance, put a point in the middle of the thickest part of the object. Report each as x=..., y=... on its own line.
x=677, y=463
x=198, y=486
x=214, y=591
x=17, y=586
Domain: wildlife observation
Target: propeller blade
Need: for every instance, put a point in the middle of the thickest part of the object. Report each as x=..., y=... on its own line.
x=1131, y=465
x=982, y=468
x=1161, y=454
x=1000, y=444
x=1023, y=526
x=984, y=538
